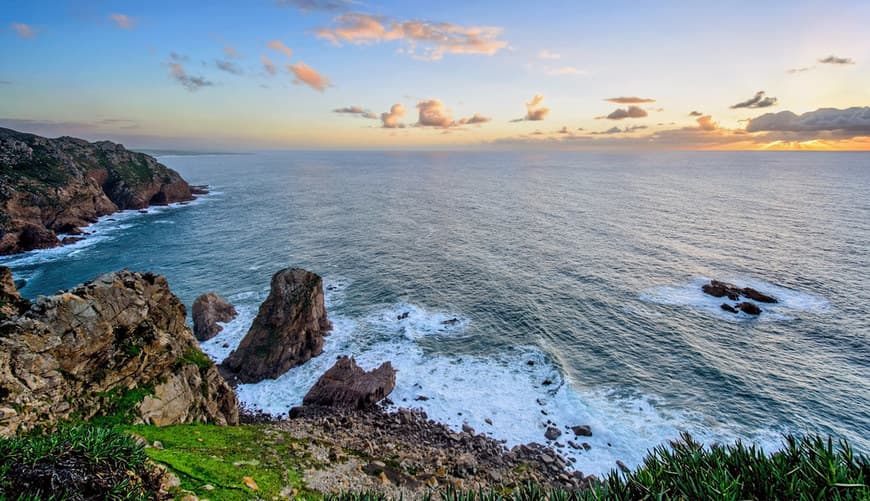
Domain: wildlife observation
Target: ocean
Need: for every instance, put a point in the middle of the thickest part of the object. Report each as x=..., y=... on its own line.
x=574, y=278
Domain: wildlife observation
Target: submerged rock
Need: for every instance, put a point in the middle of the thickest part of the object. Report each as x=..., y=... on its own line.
x=208, y=310
x=288, y=330
x=118, y=344
x=346, y=384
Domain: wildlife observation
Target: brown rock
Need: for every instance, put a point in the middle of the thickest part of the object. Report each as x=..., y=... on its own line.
x=749, y=308
x=728, y=307
x=753, y=294
x=552, y=433
x=208, y=310
x=120, y=336
x=583, y=430
x=11, y=302
x=288, y=330
x=722, y=289
x=346, y=384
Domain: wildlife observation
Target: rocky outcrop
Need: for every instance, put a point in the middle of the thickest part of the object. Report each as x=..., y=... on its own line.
x=346, y=384
x=11, y=302
x=287, y=332
x=723, y=289
x=51, y=186
x=116, y=346
x=208, y=310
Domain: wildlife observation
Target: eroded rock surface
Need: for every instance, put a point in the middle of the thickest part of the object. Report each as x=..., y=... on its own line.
x=287, y=332
x=115, y=345
x=208, y=310
x=346, y=384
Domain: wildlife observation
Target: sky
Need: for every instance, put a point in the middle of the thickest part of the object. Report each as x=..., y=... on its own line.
x=369, y=74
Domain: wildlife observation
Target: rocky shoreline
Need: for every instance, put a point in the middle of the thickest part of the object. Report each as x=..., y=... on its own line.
x=52, y=187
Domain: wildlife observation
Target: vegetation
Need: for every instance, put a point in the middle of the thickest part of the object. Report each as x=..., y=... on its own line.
x=223, y=457
x=119, y=405
x=196, y=357
x=74, y=462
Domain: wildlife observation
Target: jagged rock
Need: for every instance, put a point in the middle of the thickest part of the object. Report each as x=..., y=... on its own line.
x=346, y=384
x=51, y=186
x=724, y=289
x=749, y=308
x=208, y=310
x=11, y=302
x=552, y=433
x=287, y=332
x=118, y=344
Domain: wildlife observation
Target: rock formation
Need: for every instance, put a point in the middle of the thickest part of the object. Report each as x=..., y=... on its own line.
x=723, y=289
x=287, y=332
x=50, y=186
x=346, y=384
x=11, y=302
x=115, y=346
x=208, y=310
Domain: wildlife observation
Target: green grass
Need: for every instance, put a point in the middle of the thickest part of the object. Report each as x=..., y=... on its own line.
x=74, y=462
x=196, y=357
x=221, y=456
x=119, y=405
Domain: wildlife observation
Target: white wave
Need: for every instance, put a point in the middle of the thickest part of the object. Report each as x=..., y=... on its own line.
x=334, y=291
x=690, y=294
x=414, y=321
x=509, y=389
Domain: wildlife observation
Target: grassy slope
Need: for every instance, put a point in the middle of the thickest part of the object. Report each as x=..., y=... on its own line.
x=222, y=456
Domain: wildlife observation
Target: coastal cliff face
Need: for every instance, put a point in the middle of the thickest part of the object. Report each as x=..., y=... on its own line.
x=288, y=330
x=115, y=346
x=50, y=186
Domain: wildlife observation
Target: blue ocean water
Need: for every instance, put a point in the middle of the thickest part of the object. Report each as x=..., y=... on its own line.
x=574, y=278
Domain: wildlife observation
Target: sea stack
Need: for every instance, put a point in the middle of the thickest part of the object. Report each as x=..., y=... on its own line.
x=208, y=310
x=287, y=332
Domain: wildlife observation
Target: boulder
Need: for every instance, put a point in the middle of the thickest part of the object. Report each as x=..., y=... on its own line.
x=208, y=310
x=287, y=332
x=753, y=294
x=115, y=346
x=552, y=433
x=722, y=289
x=583, y=430
x=727, y=307
x=749, y=308
x=346, y=384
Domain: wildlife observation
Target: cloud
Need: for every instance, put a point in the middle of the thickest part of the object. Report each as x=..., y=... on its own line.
x=563, y=70
x=695, y=114
x=630, y=112
x=563, y=130
x=475, y=119
x=617, y=130
x=309, y=76
x=436, y=39
x=122, y=21
x=230, y=52
x=23, y=30
x=391, y=119
x=268, y=66
x=5, y=82
x=313, y=5
x=191, y=83
x=630, y=100
x=228, y=66
x=175, y=56
x=757, y=101
x=832, y=59
x=854, y=120
x=280, y=47
x=706, y=123
x=546, y=54
x=433, y=113
x=534, y=110
x=800, y=70
x=356, y=110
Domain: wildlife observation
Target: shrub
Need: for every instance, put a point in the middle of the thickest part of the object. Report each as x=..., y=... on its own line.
x=77, y=462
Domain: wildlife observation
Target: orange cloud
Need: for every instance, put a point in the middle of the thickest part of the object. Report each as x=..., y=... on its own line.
x=391, y=119
x=534, y=110
x=630, y=100
x=630, y=112
x=280, y=47
x=475, y=119
x=436, y=39
x=122, y=21
x=309, y=76
x=23, y=30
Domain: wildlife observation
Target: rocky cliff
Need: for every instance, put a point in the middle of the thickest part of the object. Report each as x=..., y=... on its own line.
x=117, y=346
x=51, y=186
x=287, y=332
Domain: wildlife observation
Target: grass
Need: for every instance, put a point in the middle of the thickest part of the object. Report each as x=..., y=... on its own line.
x=196, y=357
x=119, y=405
x=74, y=462
x=222, y=456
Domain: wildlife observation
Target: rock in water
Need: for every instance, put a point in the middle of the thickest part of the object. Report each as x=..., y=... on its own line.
x=721, y=289
x=728, y=307
x=757, y=296
x=208, y=310
x=51, y=186
x=116, y=345
x=287, y=332
x=749, y=308
x=346, y=384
